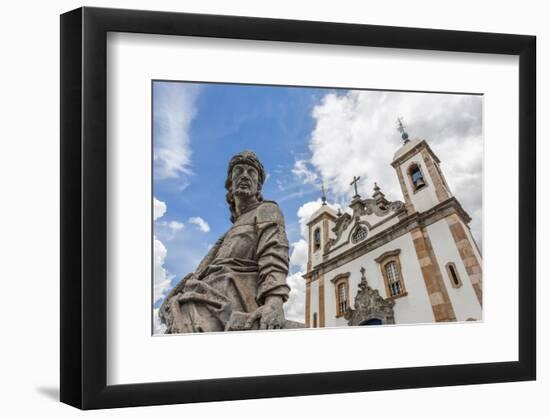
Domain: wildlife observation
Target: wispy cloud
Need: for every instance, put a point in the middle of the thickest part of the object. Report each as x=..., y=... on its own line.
x=161, y=277
x=355, y=135
x=201, y=224
x=303, y=172
x=159, y=208
x=174, y=108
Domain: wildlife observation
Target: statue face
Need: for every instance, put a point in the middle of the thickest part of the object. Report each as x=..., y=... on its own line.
x=244, y=180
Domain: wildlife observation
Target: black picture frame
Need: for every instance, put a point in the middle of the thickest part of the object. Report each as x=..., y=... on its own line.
x=84, y=207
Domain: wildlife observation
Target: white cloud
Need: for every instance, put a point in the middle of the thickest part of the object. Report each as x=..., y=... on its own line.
x=303, y=172
x=167, y=230
x=200, y=223
x=295, y=306
x=299, y=254
x=355, y=135
x=159, y=208
x=161, y=279
x=175, y=226
x=174, y=110
x=158, y=326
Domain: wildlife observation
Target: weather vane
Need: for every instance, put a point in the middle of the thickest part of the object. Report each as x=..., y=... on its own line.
x=401, y=128
x=323, y=194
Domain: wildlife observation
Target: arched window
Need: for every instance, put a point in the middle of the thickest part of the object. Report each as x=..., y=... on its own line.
x=390, y=266
x=394, y=278
x=452, y=272
x=341, y=292
x=342, y=298
x=317, y=239
x=416, y=177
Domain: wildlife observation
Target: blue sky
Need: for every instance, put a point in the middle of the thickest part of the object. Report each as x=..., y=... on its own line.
x=303, y=136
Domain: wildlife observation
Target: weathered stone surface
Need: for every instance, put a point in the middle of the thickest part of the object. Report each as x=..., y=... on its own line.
x=368, y=305
x=241, y=283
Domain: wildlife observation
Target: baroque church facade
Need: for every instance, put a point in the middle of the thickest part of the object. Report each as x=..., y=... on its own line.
x=395, y=262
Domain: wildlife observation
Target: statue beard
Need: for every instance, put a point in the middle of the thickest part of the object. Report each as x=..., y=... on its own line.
x=244, y=193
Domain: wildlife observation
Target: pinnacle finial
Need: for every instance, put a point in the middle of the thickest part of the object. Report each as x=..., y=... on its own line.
x=401, y=128
x=323, y=194
x=376, y=187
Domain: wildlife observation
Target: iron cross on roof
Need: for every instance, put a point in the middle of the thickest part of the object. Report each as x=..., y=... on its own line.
x=354, y=183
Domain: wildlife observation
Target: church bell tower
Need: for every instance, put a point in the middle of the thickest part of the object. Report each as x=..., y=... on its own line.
x=422, y=182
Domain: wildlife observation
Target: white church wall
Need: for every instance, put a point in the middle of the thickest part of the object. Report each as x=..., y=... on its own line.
x=463, y=299
x=372, y=220
x=317, y=256
x=415, y=307
x=314, y=307
x=376, y=224
x=425, y=198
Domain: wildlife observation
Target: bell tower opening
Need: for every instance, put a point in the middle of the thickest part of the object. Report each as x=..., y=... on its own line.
x=416, y=177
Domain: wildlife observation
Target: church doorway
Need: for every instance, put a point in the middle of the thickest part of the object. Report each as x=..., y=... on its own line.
x=371, y=322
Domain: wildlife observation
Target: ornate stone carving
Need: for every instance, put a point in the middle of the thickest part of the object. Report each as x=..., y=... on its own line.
x=371, y=206
x=241, y=283
x=369, y=305
x=379, y=206
x=359, y=234
x=342, y=223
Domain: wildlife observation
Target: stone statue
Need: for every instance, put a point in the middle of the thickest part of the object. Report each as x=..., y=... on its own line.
x=241, y=283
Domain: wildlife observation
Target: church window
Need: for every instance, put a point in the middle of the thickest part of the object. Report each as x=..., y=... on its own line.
x=317, y=239
x=359, y=234
x=390, y=267
x=342, y=300
x=456, y=282
x=394, y=280
x=341, y=287
x=416, y=176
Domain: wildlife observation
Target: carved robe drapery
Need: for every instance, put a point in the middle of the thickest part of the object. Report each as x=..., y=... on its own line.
x=245, y=265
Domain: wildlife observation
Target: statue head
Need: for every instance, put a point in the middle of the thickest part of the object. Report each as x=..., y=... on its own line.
x=245, y=177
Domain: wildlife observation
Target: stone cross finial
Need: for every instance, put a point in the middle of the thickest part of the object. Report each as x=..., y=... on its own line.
x=363, y=284
x=323, y=194
x=354, y=183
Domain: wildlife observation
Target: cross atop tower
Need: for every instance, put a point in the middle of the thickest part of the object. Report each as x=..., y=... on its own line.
x=323, y=194
x=354, y=183
x=401, y=128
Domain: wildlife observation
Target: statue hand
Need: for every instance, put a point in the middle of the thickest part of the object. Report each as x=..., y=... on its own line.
x=271, y=314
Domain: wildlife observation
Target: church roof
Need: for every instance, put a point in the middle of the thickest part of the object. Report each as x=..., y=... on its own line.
x=406, y=147
x=320, y=211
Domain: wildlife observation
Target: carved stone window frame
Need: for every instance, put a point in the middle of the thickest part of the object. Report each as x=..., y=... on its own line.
x=409, y=176
x=385, y=259
x=448, y=267
x=337, y=280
